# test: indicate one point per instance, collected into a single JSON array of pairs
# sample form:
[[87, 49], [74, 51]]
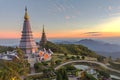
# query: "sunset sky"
[[62, 18]]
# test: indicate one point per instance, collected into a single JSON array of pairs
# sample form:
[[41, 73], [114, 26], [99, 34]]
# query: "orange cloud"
[[102, 34]]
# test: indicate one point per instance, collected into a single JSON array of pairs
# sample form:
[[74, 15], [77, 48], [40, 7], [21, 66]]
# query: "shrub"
[[58, 62]]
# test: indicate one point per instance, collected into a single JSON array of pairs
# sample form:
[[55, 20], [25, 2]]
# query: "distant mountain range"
[[105, 49]]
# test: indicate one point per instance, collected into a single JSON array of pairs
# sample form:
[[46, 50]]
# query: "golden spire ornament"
[[26, 17]]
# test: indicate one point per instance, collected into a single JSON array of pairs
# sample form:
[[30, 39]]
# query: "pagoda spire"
[[27, 43], [43, 29], [43, 37], [26, 17]]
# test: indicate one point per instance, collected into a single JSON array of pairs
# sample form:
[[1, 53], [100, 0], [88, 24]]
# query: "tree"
[[62, 74], [20, 53], [65, 54], [65, 76], [86, 76], [23, 64], [59, 76], [38, 67], [78, 57], [67, 58], [15, 68], [70, 68], [7, 72], [58, 62], [5, 49], [73, 57], [82, 75], [45, 63], [83, 57], [104, 74], [52, 62], [76, 73], [89, 77], [100, 58]]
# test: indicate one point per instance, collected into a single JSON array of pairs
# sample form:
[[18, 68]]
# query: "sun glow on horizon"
[[63, 18], [65, 35]]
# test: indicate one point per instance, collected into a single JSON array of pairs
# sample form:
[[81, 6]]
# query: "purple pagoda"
[[43, 40], [27, 43]]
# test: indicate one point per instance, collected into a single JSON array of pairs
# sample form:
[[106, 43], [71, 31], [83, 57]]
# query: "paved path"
[[101, 64], [34, 74]]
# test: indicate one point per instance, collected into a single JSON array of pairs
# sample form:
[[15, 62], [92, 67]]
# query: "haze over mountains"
[[99, 46], [105, 49]]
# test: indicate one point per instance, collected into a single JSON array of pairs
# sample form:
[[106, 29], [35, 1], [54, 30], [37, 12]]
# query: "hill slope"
[[99, 45], [102, 48], [69, 49]]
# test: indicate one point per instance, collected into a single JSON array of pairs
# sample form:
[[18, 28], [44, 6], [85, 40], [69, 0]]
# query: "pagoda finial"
[[43, 29], [26, 17]]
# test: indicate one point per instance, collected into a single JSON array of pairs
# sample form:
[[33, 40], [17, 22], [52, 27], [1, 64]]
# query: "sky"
[[62, 18]]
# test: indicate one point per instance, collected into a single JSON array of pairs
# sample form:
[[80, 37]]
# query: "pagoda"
[[43, 40], [27, 43]]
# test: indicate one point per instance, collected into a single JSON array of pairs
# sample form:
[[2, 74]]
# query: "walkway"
[[101, 64]]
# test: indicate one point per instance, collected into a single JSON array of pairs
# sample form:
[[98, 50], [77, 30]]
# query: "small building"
[[44, 55], [10, 55]]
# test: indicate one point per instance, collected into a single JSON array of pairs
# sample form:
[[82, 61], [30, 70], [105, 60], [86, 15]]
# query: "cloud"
[[59, 6], [67, 17], [110, 8], [92, 33]]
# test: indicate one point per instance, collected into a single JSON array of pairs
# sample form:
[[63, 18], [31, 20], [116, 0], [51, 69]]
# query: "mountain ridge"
[[100, 47]]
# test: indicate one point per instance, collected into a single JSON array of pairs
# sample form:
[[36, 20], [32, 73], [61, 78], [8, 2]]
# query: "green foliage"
[[49, 73], [78, 57], [11, 69], [76, 73], [58, 62], [83, 57], [62, 74], [39, 77], [70, 68], [104, 74], [52, 62], [65, 54], [100, 58], [45, 63], [89, 77], [20, 53], [54, 47], [59, 76], [69, 49], [78, 50], [86, 76], [14, 69], [67, 58], [73, 57], [39, 67], [4, 49]]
